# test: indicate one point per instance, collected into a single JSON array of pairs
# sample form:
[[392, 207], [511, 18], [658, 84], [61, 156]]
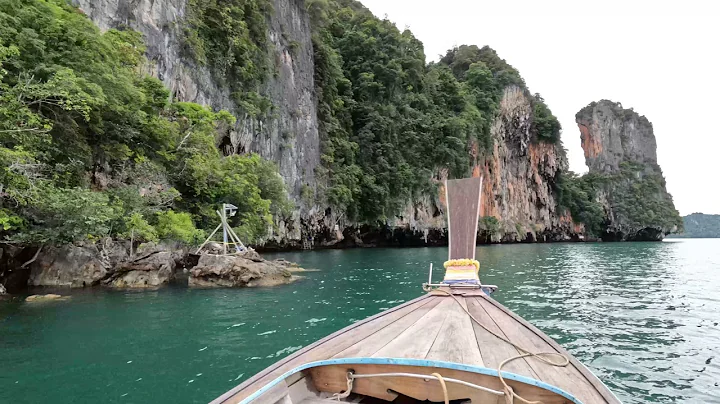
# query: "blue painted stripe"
[[413, 362]]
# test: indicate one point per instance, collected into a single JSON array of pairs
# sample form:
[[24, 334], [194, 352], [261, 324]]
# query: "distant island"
[[700, 225]]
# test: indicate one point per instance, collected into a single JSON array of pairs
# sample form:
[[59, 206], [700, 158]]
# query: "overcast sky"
[[660, 57]]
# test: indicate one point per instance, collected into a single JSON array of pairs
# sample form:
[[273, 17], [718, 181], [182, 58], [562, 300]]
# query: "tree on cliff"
[[389, 123], [86, 140]]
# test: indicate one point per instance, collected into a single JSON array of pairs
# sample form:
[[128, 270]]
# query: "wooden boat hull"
[[431, 334], [314, 379]]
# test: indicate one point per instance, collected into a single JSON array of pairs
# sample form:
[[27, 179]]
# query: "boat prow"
[[400, 349], [453, 344]]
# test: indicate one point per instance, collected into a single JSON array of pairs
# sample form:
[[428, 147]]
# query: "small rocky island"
[[624, 176], [110, 265]]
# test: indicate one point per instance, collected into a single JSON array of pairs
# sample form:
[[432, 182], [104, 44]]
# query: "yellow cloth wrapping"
[[462, 262], [461, 273]]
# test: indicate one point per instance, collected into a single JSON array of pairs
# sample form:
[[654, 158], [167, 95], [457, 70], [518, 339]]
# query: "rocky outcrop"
[[69, 266], [76, 266], [45, 298], [239, 271], [108, 264], [621, 151], [518, 200], [149, 271], [611, 135]]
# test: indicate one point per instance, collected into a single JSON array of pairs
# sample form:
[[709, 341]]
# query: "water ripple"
[[642, 316]]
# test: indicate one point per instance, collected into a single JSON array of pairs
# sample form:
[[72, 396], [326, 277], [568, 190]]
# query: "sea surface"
[[643, 316]]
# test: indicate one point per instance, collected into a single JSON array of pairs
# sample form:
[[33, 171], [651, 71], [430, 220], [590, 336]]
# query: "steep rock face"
[[518, 192], [519, 174], [290, 136], [519, 177], [620, 148], [611, 135]]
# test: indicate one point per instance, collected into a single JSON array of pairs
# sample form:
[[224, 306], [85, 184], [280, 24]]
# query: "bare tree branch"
[[34, 256]]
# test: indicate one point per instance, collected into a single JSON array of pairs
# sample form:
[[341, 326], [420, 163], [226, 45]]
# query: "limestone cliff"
[[518, 200], [290, 89], [519, 178], [620, 149]]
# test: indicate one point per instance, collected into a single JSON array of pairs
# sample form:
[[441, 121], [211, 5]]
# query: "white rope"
[[419, 376], [346, 393], [524, 353]]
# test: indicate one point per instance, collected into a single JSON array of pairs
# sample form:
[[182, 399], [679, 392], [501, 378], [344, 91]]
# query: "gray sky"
[[660, 57]]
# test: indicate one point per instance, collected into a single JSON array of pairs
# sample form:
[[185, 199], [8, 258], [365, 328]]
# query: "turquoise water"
[[643, 316]]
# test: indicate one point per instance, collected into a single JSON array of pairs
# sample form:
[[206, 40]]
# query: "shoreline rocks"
[[68, 266], [109, 264], [45, 298], [149, 271], [248, 270]]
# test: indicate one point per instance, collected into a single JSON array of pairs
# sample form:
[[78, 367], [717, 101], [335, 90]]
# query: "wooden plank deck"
[[436, 327]]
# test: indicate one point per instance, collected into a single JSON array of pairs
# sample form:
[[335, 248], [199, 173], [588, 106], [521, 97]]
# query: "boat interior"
[[385, 380]]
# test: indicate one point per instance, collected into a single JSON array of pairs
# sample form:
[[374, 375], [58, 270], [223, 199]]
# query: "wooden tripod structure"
[[228, 232]]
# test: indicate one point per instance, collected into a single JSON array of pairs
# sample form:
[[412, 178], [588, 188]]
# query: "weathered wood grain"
[[416, 341], [588, 376], [463, 208], [492, 349], [567, 378], [370, 345], [456, 340], [436, 327]]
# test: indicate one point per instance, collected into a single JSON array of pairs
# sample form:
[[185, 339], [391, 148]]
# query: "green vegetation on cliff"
[[230, 36], [89, 147], [579, 194], [638, 199], [699, 225], [389, 123]]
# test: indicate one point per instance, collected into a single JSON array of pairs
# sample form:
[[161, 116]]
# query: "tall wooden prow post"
[[463, 212], [463, 198]]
